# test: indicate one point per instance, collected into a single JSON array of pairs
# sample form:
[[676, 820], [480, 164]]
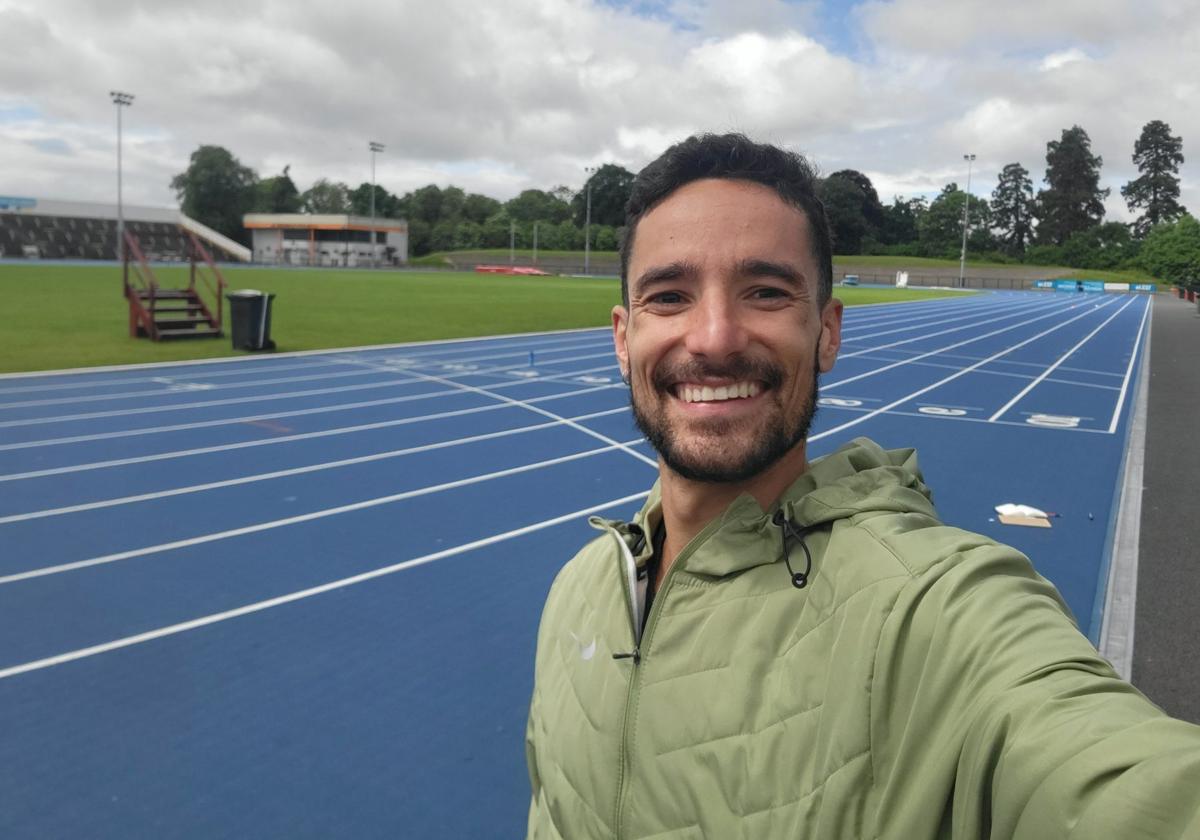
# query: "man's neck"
[[688, 506]]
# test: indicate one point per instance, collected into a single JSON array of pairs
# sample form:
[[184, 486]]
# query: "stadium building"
[[39, 228], [326, 239]]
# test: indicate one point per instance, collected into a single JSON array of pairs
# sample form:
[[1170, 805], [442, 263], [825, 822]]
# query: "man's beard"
[[771, 445]]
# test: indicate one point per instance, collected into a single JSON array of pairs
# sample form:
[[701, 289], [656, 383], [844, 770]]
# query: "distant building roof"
[[321, 221]]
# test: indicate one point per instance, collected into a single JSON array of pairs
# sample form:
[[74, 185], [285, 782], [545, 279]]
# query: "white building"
[[326, 239]]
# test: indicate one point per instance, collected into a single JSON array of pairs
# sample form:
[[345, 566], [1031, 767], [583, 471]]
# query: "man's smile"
[[695, 392]]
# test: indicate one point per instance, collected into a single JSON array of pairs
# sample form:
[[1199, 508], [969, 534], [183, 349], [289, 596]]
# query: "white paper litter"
[[1009, 509]]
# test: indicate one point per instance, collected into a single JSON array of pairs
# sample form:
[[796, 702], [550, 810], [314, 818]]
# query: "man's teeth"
[[706, 393]]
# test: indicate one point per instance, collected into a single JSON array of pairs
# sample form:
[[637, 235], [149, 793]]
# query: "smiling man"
[[779, 648]]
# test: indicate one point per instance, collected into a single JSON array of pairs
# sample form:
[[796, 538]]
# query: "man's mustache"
[[737, 369]]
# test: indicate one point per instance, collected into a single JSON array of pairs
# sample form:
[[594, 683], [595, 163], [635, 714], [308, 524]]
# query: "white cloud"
[[500, 97]]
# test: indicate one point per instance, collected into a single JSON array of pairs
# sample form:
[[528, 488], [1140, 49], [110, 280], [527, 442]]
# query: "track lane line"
[[941, 350], [303, 412], [315, 392], [539, 410], [292, 471], [324, 513], [291, 597], [1058, 362], [248, 444], [877, 411], [1137, 343]]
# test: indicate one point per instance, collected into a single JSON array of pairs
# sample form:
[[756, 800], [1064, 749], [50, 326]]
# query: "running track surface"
[[298, 596]]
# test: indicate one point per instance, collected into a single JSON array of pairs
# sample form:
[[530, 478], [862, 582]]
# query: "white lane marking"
[[917, 323], [311, 362], [942, 411], [563, 378], [1120, 597], [94, 415], [874, 412], [941, 350], [1058, 362], [174, 387], [1053, 421], [972, 325], [291, 597], [965, 419], [1137, 343], [248, 444], [628, 450], [967, 357], [1022, 376], [305, 517], [317, 354], [310, 468]]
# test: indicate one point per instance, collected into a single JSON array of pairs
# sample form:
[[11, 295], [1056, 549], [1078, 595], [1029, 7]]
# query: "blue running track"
[[297, 596]]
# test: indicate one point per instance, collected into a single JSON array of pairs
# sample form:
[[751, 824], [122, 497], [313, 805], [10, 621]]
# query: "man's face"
[[723, 341]]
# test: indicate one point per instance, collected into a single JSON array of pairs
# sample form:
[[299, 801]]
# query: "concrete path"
[[1166, 659]]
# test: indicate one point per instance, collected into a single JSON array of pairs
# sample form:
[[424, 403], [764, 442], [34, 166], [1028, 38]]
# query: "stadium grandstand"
[[326, 239], [50, 229]]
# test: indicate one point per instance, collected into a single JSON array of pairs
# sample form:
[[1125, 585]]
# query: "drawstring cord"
[[799, 579]]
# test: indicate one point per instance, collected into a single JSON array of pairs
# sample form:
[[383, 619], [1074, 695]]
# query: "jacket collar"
[[857, 478]]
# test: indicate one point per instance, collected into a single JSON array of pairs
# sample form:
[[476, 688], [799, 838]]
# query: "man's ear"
[[620, 322], [831, 334]]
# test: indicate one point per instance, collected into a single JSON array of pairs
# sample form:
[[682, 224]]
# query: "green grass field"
[[75, 316]]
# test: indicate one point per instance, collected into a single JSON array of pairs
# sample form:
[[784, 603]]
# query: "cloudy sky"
[[502, 96]]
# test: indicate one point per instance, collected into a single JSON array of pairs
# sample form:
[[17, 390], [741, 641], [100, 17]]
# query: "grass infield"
[[58, 316]]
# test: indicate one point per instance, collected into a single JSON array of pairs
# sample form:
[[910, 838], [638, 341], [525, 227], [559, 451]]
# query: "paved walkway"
[[1166, 660]]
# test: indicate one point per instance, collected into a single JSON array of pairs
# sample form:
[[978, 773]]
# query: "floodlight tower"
[[587, 224], [121, 100], [375, 149], [962, 257]]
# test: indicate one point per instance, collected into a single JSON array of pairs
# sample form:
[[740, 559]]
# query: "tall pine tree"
[[1073, 200], [1156, 191], [1012, 209]]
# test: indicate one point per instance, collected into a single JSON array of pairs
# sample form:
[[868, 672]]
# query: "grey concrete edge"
[[1116, 631]]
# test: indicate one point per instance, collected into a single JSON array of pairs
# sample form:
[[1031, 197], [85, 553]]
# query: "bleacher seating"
[[62, 237]]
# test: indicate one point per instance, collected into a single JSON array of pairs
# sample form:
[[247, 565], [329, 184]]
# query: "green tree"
[[901, 221], [478, 207], [611, 185], [941, 227], [1012, 209], [277, 194], [1105, 246], [1171, 251], [387, 206], [326, 196], [843, 200], [1156, 191], [1073, 201], [425, 204], [872, 209], [216, 190], [538, 206]]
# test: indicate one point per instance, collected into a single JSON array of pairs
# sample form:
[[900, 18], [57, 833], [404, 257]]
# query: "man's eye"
[[769, 292], [669, 298]]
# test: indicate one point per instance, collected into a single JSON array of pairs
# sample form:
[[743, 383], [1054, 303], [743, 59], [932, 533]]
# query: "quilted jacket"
[[924, 682]]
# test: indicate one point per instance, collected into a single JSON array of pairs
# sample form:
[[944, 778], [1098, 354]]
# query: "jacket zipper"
[[634, 680]]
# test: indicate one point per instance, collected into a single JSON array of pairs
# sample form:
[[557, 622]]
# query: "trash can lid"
[[245, 293]]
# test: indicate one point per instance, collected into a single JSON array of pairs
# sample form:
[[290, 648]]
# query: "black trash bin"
[[250, 319]]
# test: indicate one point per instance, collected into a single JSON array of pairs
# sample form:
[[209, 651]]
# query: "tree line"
[[1061, 224]]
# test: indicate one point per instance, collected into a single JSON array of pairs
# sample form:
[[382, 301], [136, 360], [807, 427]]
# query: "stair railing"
[[145, 284], [204, 268]]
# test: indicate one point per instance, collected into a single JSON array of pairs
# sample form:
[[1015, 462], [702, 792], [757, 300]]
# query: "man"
[[779, 648]]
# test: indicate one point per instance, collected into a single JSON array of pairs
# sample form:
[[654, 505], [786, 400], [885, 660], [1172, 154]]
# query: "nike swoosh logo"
[[586, 652]]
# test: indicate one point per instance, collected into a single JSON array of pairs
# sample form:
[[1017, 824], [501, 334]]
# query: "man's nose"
[[715, 330]]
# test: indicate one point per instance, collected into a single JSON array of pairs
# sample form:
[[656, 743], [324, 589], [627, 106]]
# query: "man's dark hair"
[[736, 157]]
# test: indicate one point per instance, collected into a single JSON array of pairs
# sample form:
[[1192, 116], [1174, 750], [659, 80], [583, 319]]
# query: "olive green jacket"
[[924, 683]]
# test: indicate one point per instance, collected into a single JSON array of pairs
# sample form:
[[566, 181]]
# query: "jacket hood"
[[860, 477]]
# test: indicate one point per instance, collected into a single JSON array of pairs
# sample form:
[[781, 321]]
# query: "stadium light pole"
[[962, 257], [587, 224], [375, 149], [121, 100]]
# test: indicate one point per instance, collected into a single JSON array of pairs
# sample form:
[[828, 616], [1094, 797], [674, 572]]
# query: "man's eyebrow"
[[768, 268], [664, 274]]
